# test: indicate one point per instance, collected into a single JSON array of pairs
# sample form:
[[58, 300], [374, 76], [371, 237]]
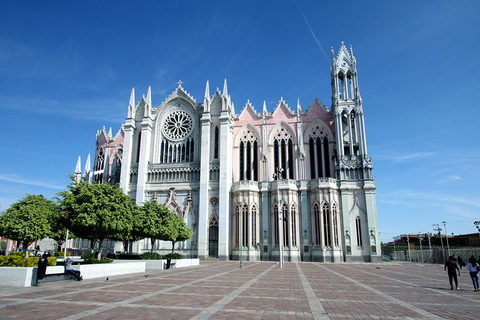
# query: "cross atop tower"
[[179, 83]]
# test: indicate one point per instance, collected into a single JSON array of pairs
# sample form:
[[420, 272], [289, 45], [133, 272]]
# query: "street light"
[[477, 224], [446, 237], [276, 175]]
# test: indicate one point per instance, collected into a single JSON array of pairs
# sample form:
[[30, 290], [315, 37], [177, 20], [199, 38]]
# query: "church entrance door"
[[213, 241]]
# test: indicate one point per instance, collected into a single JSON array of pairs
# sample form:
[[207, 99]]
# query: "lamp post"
[[436, 227], [477, 224], [446, 237], [240, 242], [276, 175], [421, 248]]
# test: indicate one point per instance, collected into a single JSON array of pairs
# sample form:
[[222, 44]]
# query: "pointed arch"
[[316, 224], [216, 143], [247, 141], [255, 228], [358, 229], [293, 223], [283, 139], [326, 224]]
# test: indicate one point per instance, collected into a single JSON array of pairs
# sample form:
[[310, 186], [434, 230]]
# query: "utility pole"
[[436, 227], [421, 248], [446, 237]]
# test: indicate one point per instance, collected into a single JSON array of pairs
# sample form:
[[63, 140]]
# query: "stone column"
[[203, 191], [143, 161], [127, 155]]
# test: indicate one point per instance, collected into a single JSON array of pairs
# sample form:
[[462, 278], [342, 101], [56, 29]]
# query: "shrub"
[[128, 256], [13, 261], [32, 262], [18, 261], [173, 256], [88, 256], [51, 261], [96, 261], [151, 256], [16, 253], [60, 254]]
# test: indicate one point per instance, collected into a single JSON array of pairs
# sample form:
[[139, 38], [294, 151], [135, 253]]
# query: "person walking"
[[472, 267], [452, 267], [69, 269]]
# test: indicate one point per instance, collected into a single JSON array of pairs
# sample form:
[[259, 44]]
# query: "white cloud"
[[16, 179], [401, 157]]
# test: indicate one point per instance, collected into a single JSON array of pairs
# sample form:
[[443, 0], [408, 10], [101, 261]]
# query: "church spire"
[[149, 97], [78, 170], [132, 98], [207, 91], [87, 172], [131, 104], [225, 91]]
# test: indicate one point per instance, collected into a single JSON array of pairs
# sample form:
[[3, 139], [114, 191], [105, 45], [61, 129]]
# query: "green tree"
[[133, 235], [96, 212], [59, 232], [176, 230], [28, 220], [150, 222]]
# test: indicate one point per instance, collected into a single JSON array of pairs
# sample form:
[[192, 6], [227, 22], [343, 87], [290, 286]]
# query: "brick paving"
[[259, 290]]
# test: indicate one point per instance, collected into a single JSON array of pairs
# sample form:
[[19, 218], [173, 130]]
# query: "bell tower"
[[353, 166], [347, 105]]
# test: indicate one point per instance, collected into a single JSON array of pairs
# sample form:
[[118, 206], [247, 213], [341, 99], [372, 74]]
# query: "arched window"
[[316, 224], [293, 213], [283, 153], [275, 225], [359, 231], [254, 225], [249, 162], [236, 219], [99, 166], [215, 151], [248, 156], [245, 225], [326, 155], [241, 160], [285, 233], [326, 225], [319, 153], [138, 145], [255, 160], [311, 149], [335, 224]]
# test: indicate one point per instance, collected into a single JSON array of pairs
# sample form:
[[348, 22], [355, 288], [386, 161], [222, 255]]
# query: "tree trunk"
[[125, 246], [24, 248], [173, 245], [92, 246], [153, 244], [100, 245]]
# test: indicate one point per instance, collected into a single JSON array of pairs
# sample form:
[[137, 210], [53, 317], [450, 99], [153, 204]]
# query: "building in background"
[[247, 183]]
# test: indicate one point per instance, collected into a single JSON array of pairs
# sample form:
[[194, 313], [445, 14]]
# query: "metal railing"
[[426, 254]]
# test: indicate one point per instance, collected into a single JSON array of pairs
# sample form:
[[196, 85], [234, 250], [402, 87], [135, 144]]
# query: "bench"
[[52, 273]]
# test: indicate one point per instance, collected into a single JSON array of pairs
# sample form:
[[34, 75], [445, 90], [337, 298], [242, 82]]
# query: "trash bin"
[[169, 262], [42, 268]]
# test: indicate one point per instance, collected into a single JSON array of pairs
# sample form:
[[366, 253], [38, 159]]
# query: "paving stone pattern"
[[259, 290]]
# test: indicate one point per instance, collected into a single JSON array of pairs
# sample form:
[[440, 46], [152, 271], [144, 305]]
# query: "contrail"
[[311, 31]]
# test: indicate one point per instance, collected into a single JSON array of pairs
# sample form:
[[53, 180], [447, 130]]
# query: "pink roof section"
[[282, 113]]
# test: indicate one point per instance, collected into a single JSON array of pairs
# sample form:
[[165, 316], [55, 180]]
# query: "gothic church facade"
[[251, 183]]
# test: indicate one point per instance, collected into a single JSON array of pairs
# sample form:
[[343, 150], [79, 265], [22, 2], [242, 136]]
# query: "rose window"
[[177, 125]]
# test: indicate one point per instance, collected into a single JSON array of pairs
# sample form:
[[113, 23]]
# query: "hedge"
[[18, 261]]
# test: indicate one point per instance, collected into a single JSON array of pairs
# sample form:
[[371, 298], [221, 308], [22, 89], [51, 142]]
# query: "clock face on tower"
[[177, 125]]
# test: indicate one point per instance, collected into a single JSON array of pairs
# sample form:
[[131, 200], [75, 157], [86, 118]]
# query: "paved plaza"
[[259, 290]]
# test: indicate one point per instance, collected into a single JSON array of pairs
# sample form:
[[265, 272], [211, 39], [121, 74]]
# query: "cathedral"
[[295, 182]]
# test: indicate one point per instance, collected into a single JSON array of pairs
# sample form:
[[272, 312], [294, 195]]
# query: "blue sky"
[[67, 69]]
